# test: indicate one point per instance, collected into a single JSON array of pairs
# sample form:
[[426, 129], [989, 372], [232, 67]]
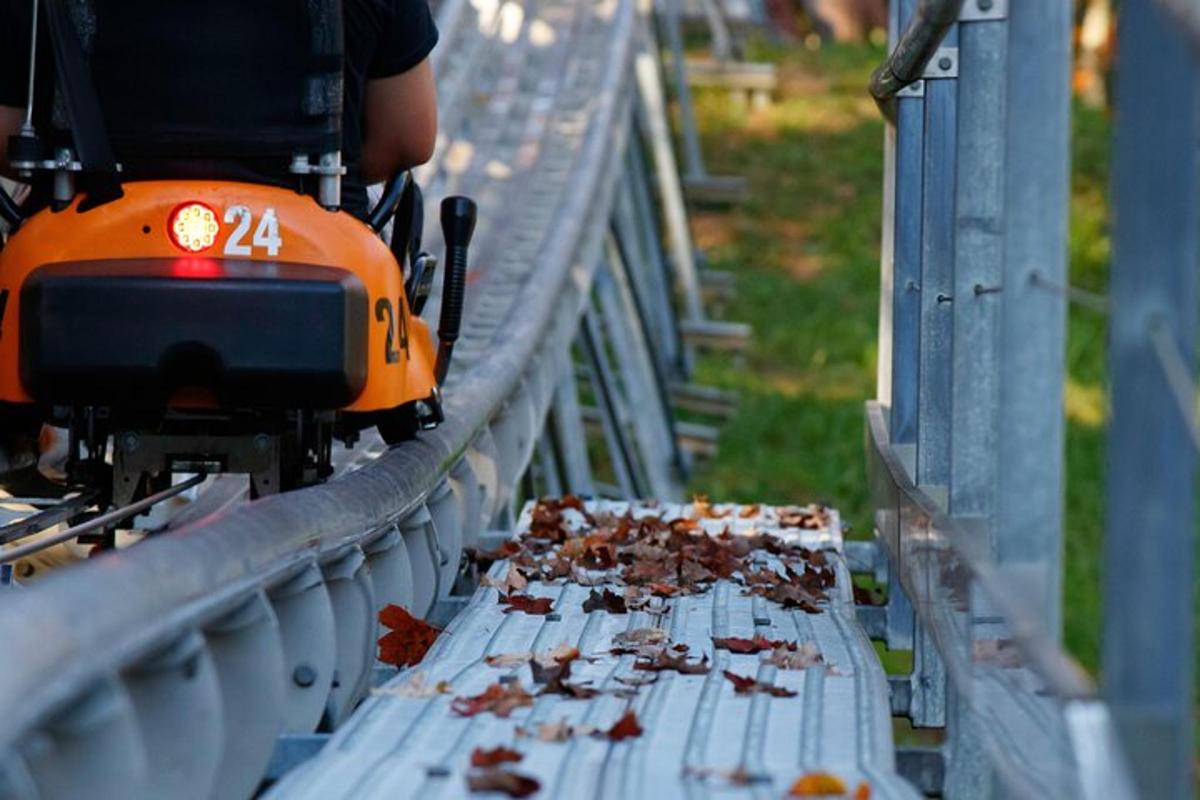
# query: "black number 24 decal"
[[384, 312]]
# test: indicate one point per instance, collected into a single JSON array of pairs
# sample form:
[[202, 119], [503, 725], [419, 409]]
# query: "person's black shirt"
[[137, 53]]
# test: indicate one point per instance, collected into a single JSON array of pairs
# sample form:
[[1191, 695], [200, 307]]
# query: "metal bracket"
[[944, 64], [914, 89], [983, 10]]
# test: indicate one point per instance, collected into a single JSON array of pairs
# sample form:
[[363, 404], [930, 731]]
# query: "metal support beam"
[[1028, 537], [1148, 591]]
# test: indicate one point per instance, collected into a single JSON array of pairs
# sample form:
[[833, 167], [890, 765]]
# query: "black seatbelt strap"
[[99, 178]]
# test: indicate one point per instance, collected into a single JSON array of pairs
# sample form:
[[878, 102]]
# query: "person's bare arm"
[[10, 122], [400, 122]]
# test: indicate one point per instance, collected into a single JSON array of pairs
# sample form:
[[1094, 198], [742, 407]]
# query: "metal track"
[[697, 732], [169, 668]]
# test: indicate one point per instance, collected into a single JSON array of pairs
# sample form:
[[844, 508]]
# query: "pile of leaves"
[[652, 556], [633, 562]]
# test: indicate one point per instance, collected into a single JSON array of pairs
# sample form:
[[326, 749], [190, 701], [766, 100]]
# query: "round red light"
[[193, 227]]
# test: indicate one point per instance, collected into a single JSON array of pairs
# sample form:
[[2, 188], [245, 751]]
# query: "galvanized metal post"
[[1028, 538], [907, 159], [979, 264], [936, 345], [1148, 589], [978, 295], [906, 275]]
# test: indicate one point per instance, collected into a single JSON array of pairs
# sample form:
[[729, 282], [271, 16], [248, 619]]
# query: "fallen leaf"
[[759, 643], [554, 675], [817, 784], [408, 640], [743, 684], [863, 792], [750, 511], [640, 636], [663, 589], [626, 727], [503, 660], [664, 661], [512, 583], [527, 604], [609, 601], [636, 680], [556, 731], [414, 686], [702, 508], [493, 757], [805, 656], [500, 699], [501, 780]]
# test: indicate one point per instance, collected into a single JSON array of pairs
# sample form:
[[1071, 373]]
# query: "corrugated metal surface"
[[697, 730]]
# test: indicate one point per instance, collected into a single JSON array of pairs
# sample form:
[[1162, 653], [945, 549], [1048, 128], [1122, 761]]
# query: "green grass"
[[805, 251]]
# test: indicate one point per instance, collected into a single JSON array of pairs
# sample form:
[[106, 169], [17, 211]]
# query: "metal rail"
[[918, 45]]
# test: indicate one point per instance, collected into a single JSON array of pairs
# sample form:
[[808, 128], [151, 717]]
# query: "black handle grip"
[[458, 225]]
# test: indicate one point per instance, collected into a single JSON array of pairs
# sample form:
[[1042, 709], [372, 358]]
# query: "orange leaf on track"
[[626, 727], [408, 640], [759, 643], [490, 758], [498, 699], [817, 784], [501, 780]]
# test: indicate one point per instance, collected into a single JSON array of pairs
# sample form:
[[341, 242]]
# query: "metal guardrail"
[[1043, 729], [966, 442], [169, 668]]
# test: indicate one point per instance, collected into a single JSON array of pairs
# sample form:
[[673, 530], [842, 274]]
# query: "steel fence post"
[[1149, 544], [1029, 503]]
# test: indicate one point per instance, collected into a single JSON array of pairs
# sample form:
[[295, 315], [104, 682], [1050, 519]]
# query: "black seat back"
[[219, 79]]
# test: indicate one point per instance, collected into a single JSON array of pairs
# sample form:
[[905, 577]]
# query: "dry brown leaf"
[[513, 581], [609, 601], [527, 604], [559, 731], [818, 784], [743, 684], [759, 643], [510, 783], [414, 686], [494, 757], [805, 656], [500, 699], [640, 636], [626, 727], [554, 675], [664, 661], [408, 640]]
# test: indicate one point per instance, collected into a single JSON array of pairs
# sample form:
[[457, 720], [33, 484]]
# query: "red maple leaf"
[[626, 727], [408, 640], [490, 758]]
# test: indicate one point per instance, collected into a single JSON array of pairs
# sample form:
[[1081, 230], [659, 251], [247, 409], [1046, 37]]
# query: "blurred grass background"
[[805, 252]]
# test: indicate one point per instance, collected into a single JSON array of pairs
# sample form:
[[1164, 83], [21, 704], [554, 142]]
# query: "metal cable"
[[1178, 374], [1094, 301], [116, 515]]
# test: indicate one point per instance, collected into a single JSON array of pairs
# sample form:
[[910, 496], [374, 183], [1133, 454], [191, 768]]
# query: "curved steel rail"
[[917, 46], [169, 668]]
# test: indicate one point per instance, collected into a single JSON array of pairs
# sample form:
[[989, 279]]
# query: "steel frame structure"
[[965, 442]]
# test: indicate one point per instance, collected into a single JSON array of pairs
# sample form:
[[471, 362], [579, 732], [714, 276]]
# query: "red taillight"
[[193, 227], [195, 268]]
